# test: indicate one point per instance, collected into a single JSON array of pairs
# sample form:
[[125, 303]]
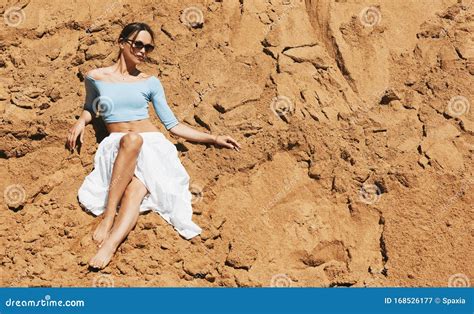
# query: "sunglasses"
[[139, 45]]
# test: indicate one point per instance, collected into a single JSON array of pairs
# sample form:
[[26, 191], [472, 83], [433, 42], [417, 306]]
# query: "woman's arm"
[[86, 117], [193, 135], [167, 117], [78, 129]]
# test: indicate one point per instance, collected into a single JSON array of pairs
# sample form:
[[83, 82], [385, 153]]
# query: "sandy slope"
[[366, 180]]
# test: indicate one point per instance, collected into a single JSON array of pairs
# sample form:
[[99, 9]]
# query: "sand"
[[355, 120]]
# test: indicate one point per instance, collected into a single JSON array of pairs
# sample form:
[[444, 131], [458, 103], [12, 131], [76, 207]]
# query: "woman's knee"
[[135, 190], [132, 140]]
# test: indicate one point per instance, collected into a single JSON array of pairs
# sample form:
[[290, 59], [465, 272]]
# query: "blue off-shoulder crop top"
[[127, 101]]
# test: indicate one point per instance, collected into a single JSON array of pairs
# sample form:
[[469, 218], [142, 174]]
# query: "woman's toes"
[[96, 265], [92, 263], [103, 256], [96, 236], [102, 230]]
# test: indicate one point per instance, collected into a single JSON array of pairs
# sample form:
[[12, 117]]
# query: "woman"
[[135, 168]]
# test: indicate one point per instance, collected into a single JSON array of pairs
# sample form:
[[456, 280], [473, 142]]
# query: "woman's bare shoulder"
[[104, 74], [145, 75], [97, 74]]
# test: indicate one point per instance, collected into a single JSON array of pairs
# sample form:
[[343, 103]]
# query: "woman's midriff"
[[144, 125]]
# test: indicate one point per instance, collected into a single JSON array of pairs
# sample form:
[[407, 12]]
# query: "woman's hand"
[[74, 132], [227, 141], [193, 135]]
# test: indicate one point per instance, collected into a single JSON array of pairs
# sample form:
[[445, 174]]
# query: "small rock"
[[33, 92], [314, 172], [206, 116], [316, 55], [165, 246], [21, 100], [389, 96], [3, 92], [198, 266], [237, 95], [53, 53], [470, 67], [148, 226], [54, 94], [423, 161], [467, 125], [380, 183], [99, 51], [436, 134], [36, 231], [325, 252], [338, 184], [451, 12], [211, 233], [241, 255], [264, 18], [446, 155]]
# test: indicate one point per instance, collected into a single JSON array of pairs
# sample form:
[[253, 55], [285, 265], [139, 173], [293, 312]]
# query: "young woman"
[[135, 167]]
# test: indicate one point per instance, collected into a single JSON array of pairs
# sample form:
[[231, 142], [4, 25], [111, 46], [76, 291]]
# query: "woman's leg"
[[122, 173], [124, 223]]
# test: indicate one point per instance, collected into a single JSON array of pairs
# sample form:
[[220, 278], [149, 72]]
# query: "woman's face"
[[132, 53]]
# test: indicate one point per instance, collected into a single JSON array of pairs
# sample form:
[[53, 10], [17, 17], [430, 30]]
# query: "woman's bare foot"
[[103, 229], [103, 255]]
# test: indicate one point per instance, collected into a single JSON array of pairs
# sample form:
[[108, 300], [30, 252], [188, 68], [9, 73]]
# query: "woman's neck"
[[124, 69]]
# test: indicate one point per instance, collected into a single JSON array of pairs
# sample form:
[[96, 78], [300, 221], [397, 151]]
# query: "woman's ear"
[[121, 43]]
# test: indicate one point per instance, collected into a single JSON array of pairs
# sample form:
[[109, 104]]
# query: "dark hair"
[[135, 28]]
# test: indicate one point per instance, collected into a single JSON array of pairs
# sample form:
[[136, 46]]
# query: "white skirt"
[[158, 168]]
